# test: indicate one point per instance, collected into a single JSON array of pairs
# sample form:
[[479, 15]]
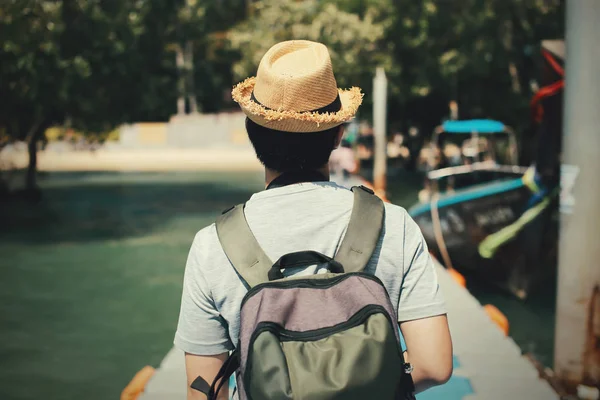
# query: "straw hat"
[[295, 90]]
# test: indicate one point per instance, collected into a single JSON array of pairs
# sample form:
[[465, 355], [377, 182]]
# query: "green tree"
[[93, 63], [28, 66]]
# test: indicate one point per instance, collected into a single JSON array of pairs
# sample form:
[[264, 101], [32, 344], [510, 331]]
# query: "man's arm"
[[207, 367], [422, 314], [429, 350], [201, 331]]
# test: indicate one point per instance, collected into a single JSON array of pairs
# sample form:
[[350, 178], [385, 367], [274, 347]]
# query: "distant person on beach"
[[295, 114], [343, 160]]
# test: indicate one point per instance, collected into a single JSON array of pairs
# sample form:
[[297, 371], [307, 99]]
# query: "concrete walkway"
[[488, 365]]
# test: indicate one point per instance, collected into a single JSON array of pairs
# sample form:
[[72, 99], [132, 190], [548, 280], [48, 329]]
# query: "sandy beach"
[[207, 159]]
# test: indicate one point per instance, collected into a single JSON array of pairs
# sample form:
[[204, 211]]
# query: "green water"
[[90, 279]]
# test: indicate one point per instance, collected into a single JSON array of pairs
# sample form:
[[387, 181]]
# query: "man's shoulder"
[[397, 225], [395, 212], [208, 233], [206, 257], [206, 241]]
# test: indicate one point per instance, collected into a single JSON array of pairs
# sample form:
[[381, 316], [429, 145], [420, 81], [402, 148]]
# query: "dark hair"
[[287, 151]]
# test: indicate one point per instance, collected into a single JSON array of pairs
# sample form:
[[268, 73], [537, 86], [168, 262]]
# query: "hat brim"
[[293, 121]]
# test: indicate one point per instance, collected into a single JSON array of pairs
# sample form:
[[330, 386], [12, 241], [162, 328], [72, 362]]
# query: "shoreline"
[[150, 160]]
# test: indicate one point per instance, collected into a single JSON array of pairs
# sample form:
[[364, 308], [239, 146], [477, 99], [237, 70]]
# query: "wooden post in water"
[[379, 131], [189, 73], [180, 62], [577, 339]]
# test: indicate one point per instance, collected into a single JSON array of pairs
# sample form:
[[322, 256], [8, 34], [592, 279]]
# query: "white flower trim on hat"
[[242, 92]]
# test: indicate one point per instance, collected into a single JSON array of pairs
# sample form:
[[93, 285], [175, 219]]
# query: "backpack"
[[326, 336]]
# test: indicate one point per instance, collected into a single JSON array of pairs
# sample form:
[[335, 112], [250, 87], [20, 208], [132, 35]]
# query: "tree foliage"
[[66, 58], [92, 64], [479, 53]]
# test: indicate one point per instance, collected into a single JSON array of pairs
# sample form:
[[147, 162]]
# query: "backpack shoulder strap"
[[358, 244], [241, 247], [364, 229]]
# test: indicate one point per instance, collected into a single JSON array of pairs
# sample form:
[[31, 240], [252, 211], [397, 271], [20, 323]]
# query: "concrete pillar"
[[577, 353], [379, 130]]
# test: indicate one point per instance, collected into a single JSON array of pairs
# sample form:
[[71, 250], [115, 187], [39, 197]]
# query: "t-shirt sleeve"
[[201, 329], [420, 295]]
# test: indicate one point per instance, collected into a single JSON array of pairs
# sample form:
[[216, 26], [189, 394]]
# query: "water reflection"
[[81, 207]]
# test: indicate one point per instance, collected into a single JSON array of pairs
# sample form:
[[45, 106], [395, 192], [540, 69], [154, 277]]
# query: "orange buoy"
[[457, 277], [454, 274], [137, 385], [499, 319]]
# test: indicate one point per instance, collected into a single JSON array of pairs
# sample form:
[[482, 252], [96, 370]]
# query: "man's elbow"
[[439, 374], [442, 376], [426, 378]]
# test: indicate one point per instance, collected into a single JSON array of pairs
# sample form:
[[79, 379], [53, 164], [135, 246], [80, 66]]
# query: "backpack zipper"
[[308, 283], [286, 335]]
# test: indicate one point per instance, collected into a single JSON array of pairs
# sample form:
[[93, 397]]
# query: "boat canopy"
[[479, 126]]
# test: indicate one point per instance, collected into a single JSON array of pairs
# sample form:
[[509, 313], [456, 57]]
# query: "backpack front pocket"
[[359, 358]]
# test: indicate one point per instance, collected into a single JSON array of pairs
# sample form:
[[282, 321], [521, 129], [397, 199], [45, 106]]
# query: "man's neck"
[[271, 175]]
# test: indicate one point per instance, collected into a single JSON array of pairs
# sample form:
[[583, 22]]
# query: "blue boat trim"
[[473, 125], [472, 193]]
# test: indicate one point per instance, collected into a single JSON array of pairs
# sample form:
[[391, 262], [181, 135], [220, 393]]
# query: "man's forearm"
[[208, 368]]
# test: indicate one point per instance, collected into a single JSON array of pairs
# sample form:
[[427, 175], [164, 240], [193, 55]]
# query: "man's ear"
[[340, 135]]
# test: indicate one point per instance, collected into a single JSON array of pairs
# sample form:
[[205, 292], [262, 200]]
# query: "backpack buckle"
[[366, 189], [227, 210]]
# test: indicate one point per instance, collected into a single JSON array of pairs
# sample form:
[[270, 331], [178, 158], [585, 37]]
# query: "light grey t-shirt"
[[303, 216]]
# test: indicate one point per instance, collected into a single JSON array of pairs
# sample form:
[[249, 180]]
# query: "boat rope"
[[437, 231]]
